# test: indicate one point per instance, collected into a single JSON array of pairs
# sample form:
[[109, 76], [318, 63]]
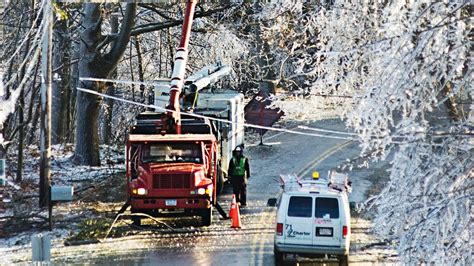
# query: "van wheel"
[[279, 257], [207, 216], [344, 260]]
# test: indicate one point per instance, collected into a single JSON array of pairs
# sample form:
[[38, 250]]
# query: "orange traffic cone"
[[232, 206], [236, 223]]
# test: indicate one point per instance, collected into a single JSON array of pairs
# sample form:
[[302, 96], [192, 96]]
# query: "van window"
[[326, 207], [300, 207]]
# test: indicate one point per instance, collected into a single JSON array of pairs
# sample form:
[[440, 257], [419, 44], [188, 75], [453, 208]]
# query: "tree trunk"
[[87, 137], [34, 122], [61, 89], [264, 55], [87, 105], [108, 106], [21, 136], [94, 64], [21, 111], [141, 75], [131, 72], [71, 110]]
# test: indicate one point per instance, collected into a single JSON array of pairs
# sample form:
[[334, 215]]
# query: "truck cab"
[[171, 172]]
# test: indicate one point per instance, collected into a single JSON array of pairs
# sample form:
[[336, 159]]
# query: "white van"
[[313, 218]]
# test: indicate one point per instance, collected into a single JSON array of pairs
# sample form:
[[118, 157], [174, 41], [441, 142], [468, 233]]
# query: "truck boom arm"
[[179, 69]]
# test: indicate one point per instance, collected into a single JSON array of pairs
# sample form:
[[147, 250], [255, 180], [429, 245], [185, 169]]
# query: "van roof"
[[321, 189], [336, 184]]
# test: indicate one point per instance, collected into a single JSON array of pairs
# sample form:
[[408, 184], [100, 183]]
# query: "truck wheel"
[[279, 257], [344, 260], [207, 216]]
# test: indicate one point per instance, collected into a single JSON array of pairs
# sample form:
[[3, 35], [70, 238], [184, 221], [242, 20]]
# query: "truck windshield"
[[172, 152]]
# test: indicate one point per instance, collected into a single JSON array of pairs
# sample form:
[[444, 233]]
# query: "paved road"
[[253, 244], [218, 244]]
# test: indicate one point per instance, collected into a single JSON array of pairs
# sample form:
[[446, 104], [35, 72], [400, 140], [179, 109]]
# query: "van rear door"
[[297, 227], [327, 222]]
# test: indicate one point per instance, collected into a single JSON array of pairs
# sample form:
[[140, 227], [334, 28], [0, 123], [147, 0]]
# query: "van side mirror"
[[272, 202]]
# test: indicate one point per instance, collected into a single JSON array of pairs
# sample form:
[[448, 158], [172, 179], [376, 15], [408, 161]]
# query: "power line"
[[128, 82], [156, 82], [327, 130], [213, 118]]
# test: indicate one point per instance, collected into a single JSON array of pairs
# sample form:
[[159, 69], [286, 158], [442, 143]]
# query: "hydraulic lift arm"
[[179, 69]]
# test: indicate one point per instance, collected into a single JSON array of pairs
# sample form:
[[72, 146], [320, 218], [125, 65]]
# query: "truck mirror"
[[271, 202], [133, 172]]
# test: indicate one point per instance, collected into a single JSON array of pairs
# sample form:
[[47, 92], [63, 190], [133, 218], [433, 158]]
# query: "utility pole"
[[45, 130]]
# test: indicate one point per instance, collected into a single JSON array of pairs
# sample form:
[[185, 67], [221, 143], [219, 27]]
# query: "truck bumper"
[[161, 203], [311, 249]]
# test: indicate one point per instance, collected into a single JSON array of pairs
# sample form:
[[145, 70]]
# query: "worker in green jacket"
[[239, 172]]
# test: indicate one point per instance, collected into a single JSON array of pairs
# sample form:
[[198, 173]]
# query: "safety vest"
[[239, 166]]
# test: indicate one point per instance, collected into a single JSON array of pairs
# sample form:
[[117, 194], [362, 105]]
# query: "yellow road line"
[[323, 157], [258, 243]]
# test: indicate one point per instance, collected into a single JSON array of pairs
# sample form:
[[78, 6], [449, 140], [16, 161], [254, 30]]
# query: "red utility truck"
[[175, 161], [172, 172]]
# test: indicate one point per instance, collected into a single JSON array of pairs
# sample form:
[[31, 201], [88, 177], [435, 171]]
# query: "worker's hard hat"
[[238, 148]]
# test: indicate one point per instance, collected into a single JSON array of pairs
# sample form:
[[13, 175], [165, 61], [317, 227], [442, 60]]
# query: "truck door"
[[327, 222], [297, 227]]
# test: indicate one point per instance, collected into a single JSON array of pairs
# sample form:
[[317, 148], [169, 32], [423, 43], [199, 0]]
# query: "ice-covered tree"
[[407, 66]]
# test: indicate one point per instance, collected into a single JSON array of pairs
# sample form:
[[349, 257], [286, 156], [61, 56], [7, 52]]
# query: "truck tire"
[[344, 260], [207, 216], [279, 257]]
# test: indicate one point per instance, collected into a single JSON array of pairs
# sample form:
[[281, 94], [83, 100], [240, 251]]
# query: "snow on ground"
[[29, 219], [64, 171]]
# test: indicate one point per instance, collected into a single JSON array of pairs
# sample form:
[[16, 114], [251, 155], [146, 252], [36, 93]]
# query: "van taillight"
[[344, 231], [279, 230]]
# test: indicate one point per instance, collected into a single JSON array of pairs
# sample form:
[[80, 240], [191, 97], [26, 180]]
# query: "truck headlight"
[[201, 191], [142, 191]]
